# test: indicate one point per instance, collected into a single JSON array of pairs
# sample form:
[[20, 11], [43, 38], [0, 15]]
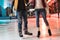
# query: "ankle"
[[39, 32], [38, 35]]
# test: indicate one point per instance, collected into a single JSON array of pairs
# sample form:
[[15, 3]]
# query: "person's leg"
[[45, 20], [37, 12], [24, 14], [19, 15]]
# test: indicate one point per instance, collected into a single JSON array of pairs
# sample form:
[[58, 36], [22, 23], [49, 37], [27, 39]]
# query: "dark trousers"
[[43, 13], [22, 15]]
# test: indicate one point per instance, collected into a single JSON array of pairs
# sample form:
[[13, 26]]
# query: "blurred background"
[[5, 7]]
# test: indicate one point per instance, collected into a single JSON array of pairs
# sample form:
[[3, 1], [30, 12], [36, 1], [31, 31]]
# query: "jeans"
[[43, 13], [22, 15]]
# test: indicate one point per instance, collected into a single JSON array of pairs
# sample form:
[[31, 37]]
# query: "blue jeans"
[[22, 15], [43, 13]]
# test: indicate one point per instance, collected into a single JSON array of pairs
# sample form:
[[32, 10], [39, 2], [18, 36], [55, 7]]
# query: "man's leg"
[[20, 23], [37, 12], [25, 23], [45, 20]]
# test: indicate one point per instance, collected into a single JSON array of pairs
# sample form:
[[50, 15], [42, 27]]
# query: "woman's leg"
[[45, 20], [37, 12]]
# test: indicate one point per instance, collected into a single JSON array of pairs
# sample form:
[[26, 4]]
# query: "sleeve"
[[27, 1], [12, 4]]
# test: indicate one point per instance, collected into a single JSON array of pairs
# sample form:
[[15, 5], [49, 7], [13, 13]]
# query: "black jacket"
[[21, 5]]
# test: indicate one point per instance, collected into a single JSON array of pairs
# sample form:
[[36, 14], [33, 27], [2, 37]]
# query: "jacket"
[[19, 5]]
